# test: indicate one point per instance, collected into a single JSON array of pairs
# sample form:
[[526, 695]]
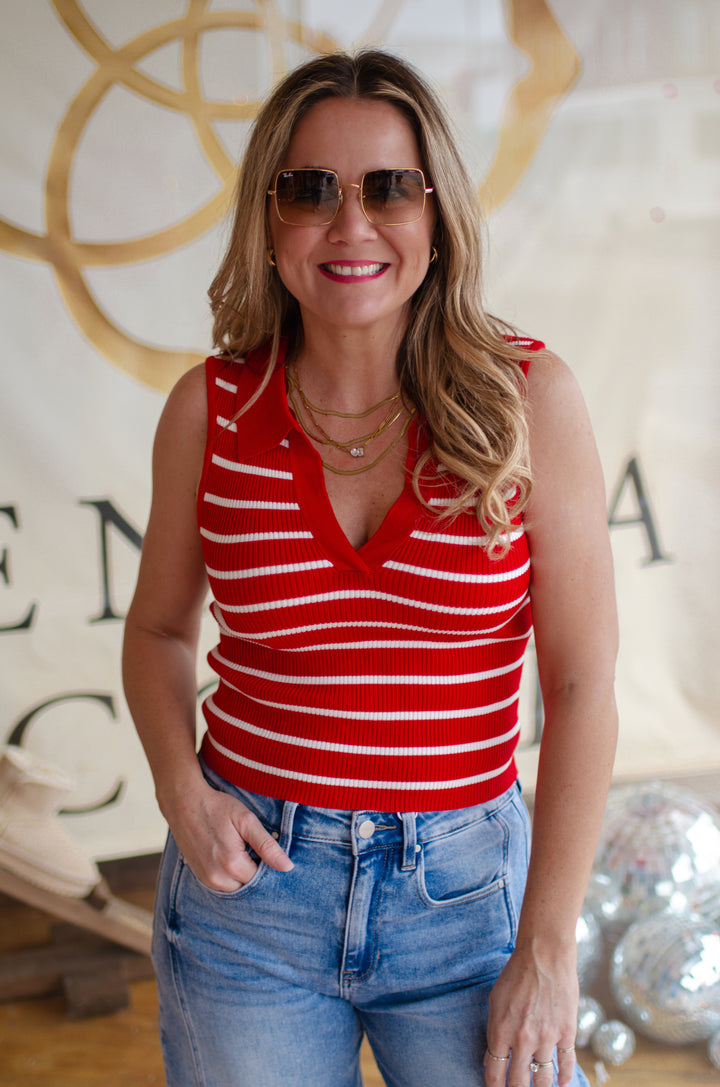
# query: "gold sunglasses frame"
[[426, 190]]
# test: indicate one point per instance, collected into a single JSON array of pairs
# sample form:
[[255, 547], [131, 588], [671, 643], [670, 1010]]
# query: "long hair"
[[454, 364]]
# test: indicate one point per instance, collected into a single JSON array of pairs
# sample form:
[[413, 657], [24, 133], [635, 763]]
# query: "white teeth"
[[355, 270]]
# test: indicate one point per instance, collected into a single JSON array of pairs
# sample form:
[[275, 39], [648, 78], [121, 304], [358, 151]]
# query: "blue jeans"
[[395, 925]]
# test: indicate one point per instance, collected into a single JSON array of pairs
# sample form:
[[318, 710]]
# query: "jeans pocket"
[[186, 874], [485, 857], [450, 872]]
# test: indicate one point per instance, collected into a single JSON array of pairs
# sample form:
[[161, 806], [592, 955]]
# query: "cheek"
[[293, 267]]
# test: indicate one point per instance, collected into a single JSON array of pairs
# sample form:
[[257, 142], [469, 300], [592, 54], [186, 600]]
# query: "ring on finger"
[[501, 1060], [540, 1066], [567, 1049]]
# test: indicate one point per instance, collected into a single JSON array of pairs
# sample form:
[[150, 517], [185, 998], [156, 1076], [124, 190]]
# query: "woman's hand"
[[214, 831], [533, 1012]]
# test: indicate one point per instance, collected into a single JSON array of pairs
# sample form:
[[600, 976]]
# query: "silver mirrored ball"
[[590, 1016], [659, 846], [613, 1042], [589, 949], [665, 977]]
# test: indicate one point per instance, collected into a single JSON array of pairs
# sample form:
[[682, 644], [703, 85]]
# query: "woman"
[[379, 486]]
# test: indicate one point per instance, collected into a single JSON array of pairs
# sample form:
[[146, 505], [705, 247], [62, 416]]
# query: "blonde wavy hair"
[[454, 363]]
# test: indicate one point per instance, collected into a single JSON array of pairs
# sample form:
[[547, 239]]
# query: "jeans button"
[[366, 828]]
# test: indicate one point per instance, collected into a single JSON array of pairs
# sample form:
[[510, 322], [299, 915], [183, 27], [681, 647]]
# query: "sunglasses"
[[313, 197]]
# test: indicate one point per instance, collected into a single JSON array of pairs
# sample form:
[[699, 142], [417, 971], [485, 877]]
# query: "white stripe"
[[225, 385], [351, 625], [362, 749], [370, 680], [359, 594], [223, 422], [249, 469], [353, 783], [253, 537], [268, 571], [383, 715], [450, 502], [383, 643], [449, 575], [235, 504], [474, 541]]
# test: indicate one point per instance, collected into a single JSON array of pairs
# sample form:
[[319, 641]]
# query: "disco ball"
[[659, 846], [613, 1042], [702, 900], [590, 1016], [589, 949], [665, 977]]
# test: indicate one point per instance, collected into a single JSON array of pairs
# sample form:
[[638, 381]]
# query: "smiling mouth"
[[353, 269]]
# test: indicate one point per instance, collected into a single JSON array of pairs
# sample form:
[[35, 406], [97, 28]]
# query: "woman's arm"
[[534, 1003], [159, 656]]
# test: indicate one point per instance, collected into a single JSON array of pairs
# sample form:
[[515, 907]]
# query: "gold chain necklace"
[[295, 379], [367, 467], [355, 447]]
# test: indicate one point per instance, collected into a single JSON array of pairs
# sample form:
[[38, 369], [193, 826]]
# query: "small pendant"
[[357, 451]]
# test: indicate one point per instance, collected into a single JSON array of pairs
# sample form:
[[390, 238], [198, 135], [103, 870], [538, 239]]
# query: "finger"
[[520, 1075], [566, 1064], [265, 845], [543, 1071], [223, 882], [227, 866], [233, 868], [496, 1066]]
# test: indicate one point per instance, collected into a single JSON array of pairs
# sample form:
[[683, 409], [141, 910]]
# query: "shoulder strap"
[[528, 344]]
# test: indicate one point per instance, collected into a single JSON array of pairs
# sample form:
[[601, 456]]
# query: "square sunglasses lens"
[[307, 196], [393, 196]]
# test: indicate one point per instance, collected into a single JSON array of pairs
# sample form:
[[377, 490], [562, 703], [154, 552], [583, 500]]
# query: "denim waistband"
[[364, 829]]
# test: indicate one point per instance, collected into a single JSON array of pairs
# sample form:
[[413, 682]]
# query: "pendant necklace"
[[355, 446]]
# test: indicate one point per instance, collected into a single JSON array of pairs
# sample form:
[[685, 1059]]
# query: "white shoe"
[[33, 843]]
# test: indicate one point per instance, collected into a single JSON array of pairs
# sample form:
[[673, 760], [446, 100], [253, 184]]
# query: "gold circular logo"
[[531, 26]]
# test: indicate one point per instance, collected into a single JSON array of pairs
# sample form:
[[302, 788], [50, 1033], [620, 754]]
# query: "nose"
[[350, 221]]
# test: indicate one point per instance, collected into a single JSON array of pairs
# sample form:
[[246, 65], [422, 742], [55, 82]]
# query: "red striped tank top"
[[384, 678]]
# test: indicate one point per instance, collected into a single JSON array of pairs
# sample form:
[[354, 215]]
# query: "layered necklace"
[[395, 407]]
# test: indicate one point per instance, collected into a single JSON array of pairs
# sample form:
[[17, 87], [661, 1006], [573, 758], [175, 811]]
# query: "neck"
[[348, 371]]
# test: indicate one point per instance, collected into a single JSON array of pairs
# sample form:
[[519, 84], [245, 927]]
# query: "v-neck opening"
[[309, 479], [261, 431]]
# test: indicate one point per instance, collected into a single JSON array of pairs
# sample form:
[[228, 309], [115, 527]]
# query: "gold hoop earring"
[[433, 255], [270, 253]]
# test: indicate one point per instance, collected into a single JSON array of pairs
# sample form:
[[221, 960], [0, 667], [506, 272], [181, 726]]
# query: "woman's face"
[[351, 274]]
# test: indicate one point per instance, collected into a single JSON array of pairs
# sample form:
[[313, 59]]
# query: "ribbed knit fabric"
[[384, 678]]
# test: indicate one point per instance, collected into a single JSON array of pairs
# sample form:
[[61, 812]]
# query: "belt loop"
[[409, 860], [286, 824]]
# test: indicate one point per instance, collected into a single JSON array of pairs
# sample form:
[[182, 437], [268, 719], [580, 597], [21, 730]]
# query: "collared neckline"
[[271, 421]]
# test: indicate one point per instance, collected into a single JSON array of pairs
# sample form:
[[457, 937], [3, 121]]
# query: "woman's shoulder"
[[184, 417], [549, 375], [188, 393], [558, 418]]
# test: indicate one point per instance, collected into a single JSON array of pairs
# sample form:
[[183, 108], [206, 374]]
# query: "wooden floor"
[[41, 1047]]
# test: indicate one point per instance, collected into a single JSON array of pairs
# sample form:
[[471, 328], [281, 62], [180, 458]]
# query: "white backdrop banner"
[[593, 131]]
